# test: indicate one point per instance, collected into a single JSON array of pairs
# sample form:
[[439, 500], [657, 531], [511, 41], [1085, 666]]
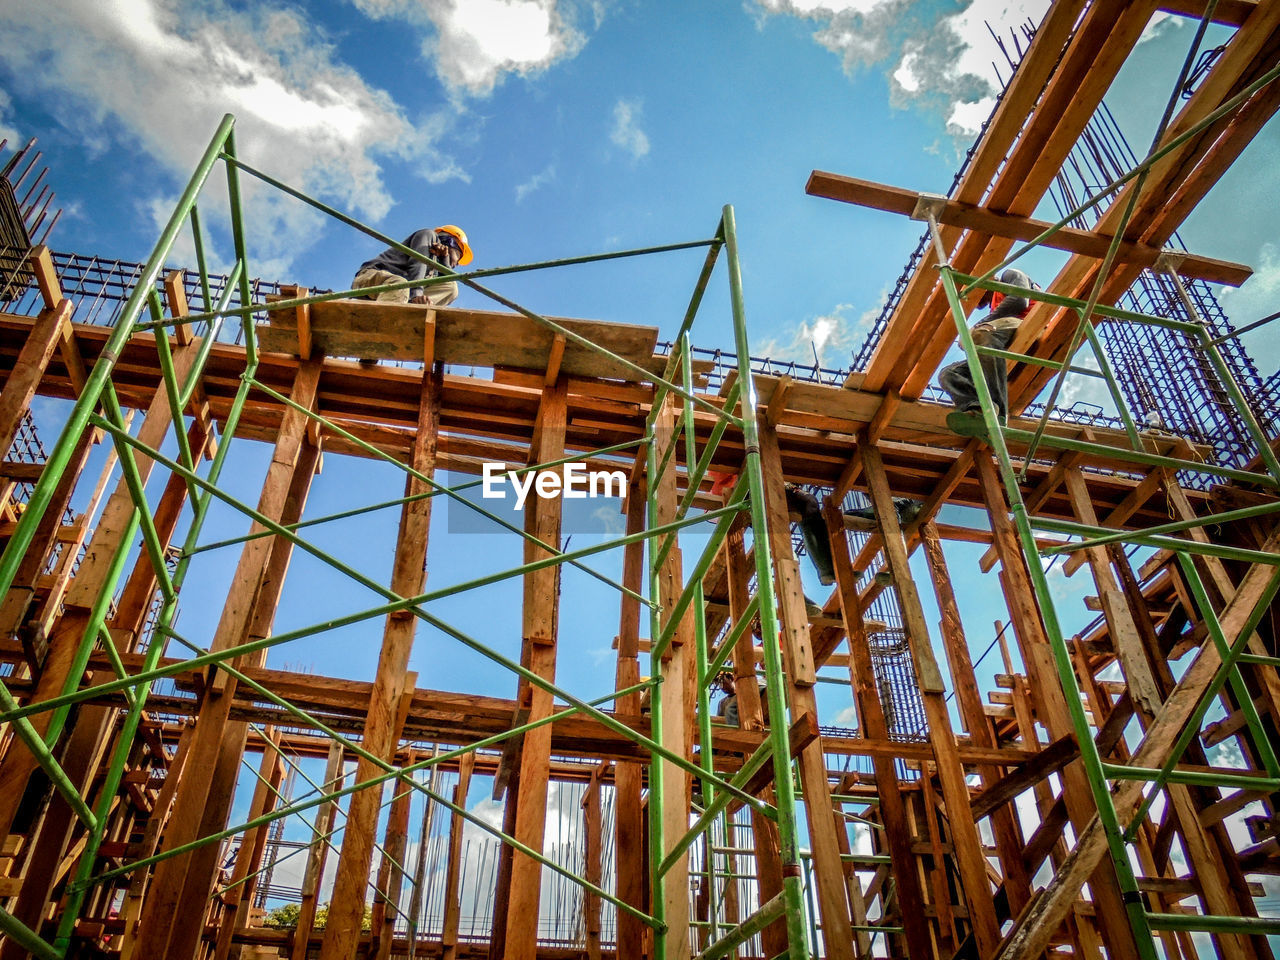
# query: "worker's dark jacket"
[[403, 265]]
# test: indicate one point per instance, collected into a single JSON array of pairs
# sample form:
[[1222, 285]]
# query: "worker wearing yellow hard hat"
[[446, 245]]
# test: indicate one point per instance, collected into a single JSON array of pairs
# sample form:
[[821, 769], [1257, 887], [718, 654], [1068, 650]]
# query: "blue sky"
[[552, 128]]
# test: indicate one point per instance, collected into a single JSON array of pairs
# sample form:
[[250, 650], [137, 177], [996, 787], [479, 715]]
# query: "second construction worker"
[[446, 245], [996, 330]]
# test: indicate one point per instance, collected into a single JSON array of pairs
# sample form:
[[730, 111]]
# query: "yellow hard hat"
[[458, 234]]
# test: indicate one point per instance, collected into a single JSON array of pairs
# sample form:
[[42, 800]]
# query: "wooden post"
[[132, 908], [897, 834], [969, 857], [832, 895], [453, 870], [764, 832], [382, 731], [592, 867], [676, 701], [316, 855], [541, 625], [386, 903], [631, 865], [1051, 703], [1004, 822], [235, 915], [171, 913]]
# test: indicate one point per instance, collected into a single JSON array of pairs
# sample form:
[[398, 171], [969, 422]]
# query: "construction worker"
[[727, 709], [446, 245], [996, 330]]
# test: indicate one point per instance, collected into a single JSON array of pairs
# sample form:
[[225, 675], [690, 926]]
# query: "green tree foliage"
[[286, 917]]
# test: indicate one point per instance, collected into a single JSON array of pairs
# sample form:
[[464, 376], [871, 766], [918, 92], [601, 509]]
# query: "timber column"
[[527, 802], [385, 720]]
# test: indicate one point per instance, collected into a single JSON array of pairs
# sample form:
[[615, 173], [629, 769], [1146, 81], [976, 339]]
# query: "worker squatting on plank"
[[997, 330], [447, 245]]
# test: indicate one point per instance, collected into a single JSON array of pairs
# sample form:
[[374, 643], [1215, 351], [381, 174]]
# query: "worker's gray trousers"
[[956, 379]]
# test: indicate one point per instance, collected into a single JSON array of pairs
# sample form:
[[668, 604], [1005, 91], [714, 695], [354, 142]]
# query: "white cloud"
[[1258, 297], [535, 182], [831, 336], [938, 62], [7, 130], [156, 76], [626, 132], [475, 43], [1159, 23]]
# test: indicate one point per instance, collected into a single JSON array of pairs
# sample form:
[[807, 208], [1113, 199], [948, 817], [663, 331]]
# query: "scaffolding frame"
[[668, 607], [1231, 650]]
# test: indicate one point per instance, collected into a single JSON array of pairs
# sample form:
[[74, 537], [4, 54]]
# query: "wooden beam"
[[982, 220], [386, 903], [23, 381], [764, 831], [1005, 825], [1050, 700], [249, 855]]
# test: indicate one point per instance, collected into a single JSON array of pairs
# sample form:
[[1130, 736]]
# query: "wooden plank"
[[486, 338], [984, 220], [384, 724], [1050, 760], [302, 319], [778, 402], [554, 358], [1232, 13]]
